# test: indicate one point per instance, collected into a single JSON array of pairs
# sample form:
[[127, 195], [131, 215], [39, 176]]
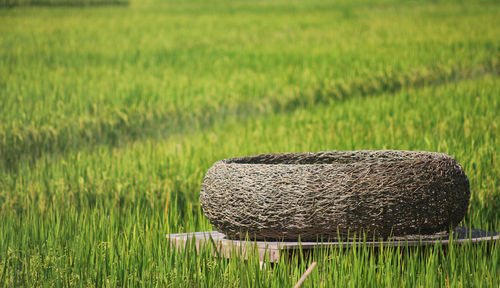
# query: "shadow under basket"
[[334, 194]]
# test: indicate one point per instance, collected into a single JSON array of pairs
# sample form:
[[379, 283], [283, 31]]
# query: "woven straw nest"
[[330, 194]]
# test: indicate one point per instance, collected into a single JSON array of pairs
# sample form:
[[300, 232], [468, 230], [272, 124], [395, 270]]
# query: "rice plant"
[[110, 116]]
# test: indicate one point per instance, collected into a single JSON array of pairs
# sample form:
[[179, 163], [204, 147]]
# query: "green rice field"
[[111, 114]]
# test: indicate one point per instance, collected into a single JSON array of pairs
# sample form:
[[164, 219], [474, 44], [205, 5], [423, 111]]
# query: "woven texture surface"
[[330, 194]]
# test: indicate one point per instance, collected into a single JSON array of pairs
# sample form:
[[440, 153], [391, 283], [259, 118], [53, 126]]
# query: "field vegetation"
[[110, 116], [14, 3]]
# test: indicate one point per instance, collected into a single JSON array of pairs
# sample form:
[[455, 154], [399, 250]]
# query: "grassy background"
[[110, 116], [14, 3]]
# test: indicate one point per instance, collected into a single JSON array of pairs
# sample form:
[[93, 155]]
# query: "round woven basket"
[[329, 194]]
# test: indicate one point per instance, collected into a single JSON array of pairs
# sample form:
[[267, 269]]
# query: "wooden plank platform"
[[226, 247]]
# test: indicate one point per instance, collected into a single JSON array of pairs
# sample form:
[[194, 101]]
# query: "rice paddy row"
[[106, 133], [90, 85], [104, 213], [14, 3]]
